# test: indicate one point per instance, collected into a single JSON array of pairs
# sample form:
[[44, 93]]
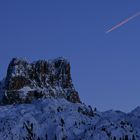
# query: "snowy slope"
[[50, 119]]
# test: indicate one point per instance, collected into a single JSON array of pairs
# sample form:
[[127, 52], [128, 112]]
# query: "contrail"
[[123, 22]]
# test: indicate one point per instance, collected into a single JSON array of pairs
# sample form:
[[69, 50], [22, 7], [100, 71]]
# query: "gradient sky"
[[105, 67]]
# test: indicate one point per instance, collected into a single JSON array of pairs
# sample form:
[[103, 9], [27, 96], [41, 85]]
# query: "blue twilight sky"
[[105, 67]]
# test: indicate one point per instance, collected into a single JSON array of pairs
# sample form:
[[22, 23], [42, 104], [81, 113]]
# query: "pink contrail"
[[123, 22]]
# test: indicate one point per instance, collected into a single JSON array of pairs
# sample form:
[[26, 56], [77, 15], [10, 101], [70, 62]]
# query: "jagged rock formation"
[[39, 102], [28, 81]]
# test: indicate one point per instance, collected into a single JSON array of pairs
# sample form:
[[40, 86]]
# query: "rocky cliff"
[[28, 81]]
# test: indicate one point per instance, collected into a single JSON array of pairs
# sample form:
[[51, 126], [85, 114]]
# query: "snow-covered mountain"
[[39, 102]]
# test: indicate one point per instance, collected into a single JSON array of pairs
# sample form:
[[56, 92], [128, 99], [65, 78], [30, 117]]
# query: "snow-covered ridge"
[[59, 119], [39, 102]]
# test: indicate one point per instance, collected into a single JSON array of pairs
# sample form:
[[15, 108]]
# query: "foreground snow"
[[59, 119]]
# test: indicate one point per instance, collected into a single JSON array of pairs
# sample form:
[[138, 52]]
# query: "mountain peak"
[[27, 81], [54, 110]]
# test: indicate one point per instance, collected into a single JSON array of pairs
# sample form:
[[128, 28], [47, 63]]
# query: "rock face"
[[28, 81]]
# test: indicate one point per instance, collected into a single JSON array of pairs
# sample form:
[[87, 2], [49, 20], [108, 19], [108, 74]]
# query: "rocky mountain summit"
[[28, 81], [39, 102]]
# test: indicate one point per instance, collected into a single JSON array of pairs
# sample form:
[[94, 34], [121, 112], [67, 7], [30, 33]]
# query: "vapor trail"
[[123, 22]]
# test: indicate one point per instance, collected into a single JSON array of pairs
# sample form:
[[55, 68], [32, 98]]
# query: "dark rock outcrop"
[[28, 81]]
